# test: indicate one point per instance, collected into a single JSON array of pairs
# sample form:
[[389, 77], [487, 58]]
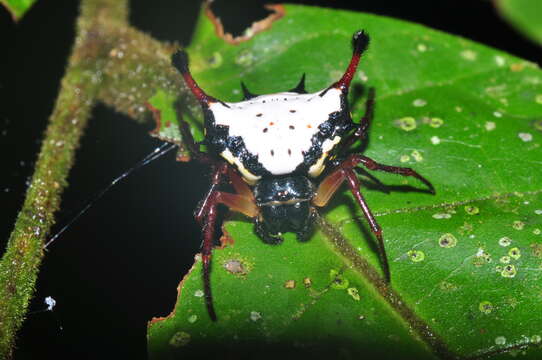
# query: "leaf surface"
[[466, 264], [524, 15]]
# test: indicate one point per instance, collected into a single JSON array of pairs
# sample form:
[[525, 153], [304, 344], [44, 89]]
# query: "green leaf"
[[524, 15], [17, 8], [466, 264], [164, 108]]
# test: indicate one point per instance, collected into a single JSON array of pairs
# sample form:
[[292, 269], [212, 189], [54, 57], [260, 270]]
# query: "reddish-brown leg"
[[237, 182], [206, 213], [206, 216], [374, 179], [191, 145], [239, 185], [354, 184], [365, 121], [361, 130], [373, 165], [345, 171], [360, 41], [331, 184]]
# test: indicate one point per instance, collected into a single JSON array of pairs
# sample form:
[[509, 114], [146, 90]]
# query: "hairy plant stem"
[[110, 62]]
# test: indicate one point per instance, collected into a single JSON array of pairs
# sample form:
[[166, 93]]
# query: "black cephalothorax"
[[285, 206], [273, 149]]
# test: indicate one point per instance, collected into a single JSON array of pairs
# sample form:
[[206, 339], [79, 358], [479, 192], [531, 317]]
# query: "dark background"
[[120, 264]]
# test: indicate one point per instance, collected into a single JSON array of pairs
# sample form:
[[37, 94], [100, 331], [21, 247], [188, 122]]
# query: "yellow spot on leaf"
[[485, 307], [289, 284], [537, 250], [417, 155], [505, 241], [518, 225], [509, 271], [179, 339], [419, 102], [472, 210], [517, 67], [447, 286], [338, 281], [354, 293], [469, 55], [416, 255], [447, 241], [407, 123], [514, 253], [436, 122]]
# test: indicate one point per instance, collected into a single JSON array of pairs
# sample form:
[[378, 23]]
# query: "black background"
[[119, 265]]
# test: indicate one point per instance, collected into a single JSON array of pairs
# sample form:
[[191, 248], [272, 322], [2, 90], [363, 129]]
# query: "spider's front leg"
[[206, 215], [360, 132], [207, 211], [345, 172]]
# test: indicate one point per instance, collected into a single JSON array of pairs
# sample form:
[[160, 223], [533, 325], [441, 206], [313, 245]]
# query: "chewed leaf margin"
[[17, 8]]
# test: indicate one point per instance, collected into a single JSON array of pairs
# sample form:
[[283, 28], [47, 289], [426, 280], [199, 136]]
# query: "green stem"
[[20, 263], [110, 62]]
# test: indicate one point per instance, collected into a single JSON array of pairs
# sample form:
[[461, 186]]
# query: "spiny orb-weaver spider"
[[276, 148]]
